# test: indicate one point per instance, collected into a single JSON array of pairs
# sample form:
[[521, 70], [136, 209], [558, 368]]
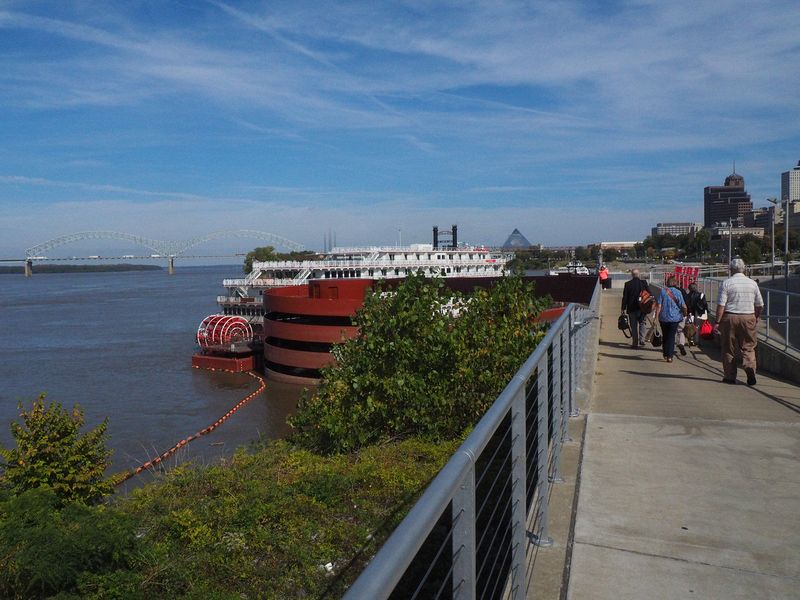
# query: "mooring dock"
[[688, 488]]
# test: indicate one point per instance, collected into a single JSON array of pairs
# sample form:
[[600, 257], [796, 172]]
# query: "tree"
[[610, 255], [426, 361], [51, 452], [748, 247], [751, 252], [582, 253], [261, 254]]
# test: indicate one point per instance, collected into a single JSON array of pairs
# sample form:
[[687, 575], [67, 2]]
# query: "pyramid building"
[[516, 240]]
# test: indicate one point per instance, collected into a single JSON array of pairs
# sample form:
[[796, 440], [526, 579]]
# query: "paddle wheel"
[[223, 331], [226, 343]]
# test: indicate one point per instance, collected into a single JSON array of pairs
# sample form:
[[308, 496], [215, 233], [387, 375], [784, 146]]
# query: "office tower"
[[728, 202]]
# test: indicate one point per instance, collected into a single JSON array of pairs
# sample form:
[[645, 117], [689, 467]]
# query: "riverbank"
[[116, 268], [276, 522]]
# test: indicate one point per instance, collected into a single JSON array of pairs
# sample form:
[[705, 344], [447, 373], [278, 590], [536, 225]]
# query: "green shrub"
[[52, 452], [427, 361], [48, 546], [265, 525]]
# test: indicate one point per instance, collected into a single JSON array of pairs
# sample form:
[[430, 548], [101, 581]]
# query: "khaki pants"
[[738, 332]]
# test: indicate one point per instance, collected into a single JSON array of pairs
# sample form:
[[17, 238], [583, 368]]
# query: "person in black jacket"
[[698, 307], [630, 305]]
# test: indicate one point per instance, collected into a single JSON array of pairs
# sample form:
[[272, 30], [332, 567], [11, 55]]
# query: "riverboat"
[[574, 267], [295, 310], [244, 296]]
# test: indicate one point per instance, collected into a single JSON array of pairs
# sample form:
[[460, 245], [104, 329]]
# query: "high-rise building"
[[790, 189], [726, 203], [760, 217]]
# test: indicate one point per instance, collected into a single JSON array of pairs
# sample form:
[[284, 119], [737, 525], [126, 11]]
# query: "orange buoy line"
[[165, 455]]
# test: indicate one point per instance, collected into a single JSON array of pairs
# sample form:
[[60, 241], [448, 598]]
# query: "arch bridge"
[[168, 249]]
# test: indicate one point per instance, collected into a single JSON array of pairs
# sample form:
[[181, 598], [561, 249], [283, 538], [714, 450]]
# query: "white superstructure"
[[371, 262]]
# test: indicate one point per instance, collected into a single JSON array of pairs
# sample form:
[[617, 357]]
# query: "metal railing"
[[467, 536], [780, 321]]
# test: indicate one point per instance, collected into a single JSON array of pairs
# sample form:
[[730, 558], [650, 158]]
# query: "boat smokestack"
[[455, 237], [435, 237]]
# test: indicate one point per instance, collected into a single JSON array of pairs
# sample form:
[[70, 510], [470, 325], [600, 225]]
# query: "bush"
[[48, 546], [52, 452], [427, 362], [279, 523]]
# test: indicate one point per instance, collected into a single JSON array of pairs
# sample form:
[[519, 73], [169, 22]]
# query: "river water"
[[120, 345]]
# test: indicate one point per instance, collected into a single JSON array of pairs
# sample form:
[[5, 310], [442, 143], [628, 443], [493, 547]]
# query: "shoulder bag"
[[682, 307]]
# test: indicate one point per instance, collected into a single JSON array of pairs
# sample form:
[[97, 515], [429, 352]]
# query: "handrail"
[[540, 397], [778, 306]]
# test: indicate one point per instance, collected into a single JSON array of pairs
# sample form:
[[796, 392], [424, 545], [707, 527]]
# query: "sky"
[[573, 121]]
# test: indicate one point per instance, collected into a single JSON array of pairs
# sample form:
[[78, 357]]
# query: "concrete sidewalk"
[[689, 488]]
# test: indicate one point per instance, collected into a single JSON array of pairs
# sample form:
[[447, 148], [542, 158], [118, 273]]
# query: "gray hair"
[[635, 273], [737, 265]]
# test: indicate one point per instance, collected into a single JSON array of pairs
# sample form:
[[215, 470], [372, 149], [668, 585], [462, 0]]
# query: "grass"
[[279, 522]]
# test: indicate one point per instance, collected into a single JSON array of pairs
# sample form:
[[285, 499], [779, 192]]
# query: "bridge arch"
[[156, 245], [164, 247], [182, 246]]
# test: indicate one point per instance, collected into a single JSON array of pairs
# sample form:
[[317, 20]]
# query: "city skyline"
[[570, 122]]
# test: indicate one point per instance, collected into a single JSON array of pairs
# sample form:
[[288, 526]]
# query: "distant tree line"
[[690, 247], [39, 268], [697, 247], [265, 253]]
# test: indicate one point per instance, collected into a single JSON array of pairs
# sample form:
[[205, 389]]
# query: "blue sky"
[[572, 121]]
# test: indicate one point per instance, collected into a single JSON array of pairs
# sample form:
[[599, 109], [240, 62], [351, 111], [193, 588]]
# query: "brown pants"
[[738, 332]]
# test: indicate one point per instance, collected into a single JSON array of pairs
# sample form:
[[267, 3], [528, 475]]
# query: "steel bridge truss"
[[165, 248]]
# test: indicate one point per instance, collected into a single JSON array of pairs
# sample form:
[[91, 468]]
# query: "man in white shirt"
[[739, 306]]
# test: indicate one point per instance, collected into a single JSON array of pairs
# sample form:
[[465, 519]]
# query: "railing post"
[[788, 316], [573, 367], [519, 517], [558, 414], [768, 315], [464, 538], [566, 385], [541, 538]]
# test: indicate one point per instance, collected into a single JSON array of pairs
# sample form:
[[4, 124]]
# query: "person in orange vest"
[[605, 281]]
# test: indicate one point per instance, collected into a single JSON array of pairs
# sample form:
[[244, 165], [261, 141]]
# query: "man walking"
[[738, 308], [630, 304]]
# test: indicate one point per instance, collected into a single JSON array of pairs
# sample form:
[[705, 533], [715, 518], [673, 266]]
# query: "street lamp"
[[774, 209], [786, 239]]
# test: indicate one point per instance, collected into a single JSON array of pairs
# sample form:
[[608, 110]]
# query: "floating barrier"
[[165, 455]]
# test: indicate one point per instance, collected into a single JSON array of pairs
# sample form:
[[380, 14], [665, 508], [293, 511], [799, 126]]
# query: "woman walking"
[[697, 310], [605, 282], [670, 312]]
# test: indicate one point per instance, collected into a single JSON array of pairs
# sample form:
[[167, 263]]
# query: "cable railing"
[[780, 320], [467, 537]]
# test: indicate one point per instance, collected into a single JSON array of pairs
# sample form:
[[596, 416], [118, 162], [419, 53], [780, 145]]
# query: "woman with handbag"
[[670, 312]]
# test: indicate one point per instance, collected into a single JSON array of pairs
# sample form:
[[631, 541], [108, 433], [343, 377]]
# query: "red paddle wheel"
[[223, 330], [225, 341]]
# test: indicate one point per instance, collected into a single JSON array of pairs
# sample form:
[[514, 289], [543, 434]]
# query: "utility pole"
[[786, 240], [730, 240], [773, 211]]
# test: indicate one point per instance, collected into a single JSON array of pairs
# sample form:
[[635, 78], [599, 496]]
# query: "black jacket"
[[696, 303], [630, 294]]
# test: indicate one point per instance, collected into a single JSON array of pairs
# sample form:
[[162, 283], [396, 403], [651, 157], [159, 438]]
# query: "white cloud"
[[491, 112]]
